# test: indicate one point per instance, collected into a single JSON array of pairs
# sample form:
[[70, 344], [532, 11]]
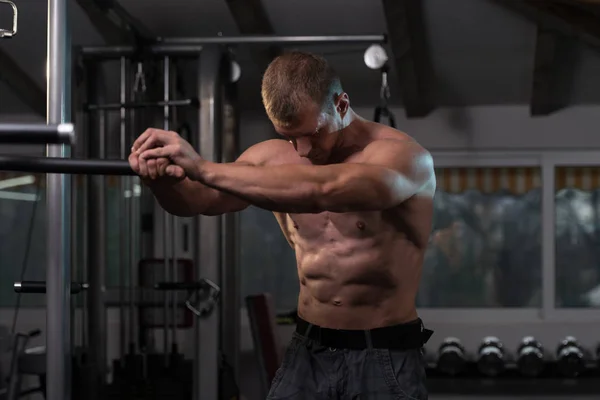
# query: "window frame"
[[547, 161]]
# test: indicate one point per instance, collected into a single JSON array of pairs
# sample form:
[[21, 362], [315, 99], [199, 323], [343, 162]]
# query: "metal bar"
[[124, 216], [115, 52], [40, 287], [97, 208], [172, 224], [230, 276], [148, 104], [65, 166], [191, 46], [208, 229], [15, 21], [58, 273], [166, 220], [37, 133], [548, 238], [274, 39]]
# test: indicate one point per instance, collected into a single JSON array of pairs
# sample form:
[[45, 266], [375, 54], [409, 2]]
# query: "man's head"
[[304, 99]]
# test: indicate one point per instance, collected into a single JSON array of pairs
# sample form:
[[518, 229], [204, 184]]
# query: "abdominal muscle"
[[353, 278]]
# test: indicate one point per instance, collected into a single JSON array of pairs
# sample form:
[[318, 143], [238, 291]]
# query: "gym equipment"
[[37, 134], [65, 165], [382, 110], [40, 287], [376, 58], [491, 357], [147, 104], [203, 295], [530, 357], [8, 33], [570, 357], [18, 368], [451, 357]]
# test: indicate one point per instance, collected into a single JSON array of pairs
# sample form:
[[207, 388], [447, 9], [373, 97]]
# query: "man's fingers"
[[134, 163], [175, 171], [161, 166], [159, 152], [141, 139], [152, 170], [153, 141], [143, 167]]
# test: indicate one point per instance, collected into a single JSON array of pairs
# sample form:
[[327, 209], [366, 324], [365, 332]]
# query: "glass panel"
[[577, 252], [22, 235], [485, 246]]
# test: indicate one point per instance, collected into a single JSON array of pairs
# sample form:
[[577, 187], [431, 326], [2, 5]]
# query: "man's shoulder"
[[400, 145], [266, 152]]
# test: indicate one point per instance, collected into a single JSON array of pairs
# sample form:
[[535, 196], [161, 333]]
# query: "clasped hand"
[[159, 153]]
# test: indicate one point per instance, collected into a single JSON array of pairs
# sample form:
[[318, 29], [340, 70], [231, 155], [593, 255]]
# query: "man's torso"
[[357, 270]]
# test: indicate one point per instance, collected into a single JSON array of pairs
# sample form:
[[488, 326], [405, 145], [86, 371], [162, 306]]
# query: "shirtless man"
[[354, 200]]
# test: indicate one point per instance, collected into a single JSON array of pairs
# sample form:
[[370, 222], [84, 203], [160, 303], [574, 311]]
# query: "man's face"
[[315, 134]]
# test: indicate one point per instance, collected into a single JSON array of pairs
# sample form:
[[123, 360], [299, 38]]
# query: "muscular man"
[[354, 200]]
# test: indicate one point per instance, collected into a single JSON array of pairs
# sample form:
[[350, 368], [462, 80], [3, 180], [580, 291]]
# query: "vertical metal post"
[[123, 220], [230, 282], [208, 229], [58, 272], [135, 118], [548, 238], [166, 219], [97, 247]]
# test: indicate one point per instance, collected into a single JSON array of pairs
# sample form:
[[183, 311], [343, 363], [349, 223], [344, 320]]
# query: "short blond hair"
[[294, 79]]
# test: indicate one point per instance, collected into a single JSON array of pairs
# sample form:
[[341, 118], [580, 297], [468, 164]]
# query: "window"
[[577, 241], [485, 246]]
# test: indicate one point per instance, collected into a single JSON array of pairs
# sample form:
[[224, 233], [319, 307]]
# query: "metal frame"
[[274, 39], [191, 46], [58, 273], [208, 229], [547, 160]]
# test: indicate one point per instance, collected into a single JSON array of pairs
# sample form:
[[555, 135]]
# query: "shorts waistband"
[[407, 336]]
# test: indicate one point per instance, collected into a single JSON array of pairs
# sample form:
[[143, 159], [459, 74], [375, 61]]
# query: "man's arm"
[[391, 172], [189, 198]]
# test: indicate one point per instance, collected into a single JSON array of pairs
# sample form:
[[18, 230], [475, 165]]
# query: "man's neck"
[[352, 134]]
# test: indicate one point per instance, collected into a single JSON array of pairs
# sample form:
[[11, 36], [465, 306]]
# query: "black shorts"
[[380, 364]]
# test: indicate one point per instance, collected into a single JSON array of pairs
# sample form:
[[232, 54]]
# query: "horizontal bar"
[[114, 52], [273, 39], [40, 287], [53, 165], [146, 104], [18, 133], [190, 46]]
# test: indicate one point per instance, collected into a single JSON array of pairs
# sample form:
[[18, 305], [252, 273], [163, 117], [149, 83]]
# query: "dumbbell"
[[491, 356], [451, 356], [530, 357], [570, 357]]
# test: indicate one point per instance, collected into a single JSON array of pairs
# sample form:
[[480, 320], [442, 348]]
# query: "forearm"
[[301, 188], [190, 198]]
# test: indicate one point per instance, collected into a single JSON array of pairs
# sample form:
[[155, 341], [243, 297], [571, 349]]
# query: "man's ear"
[[342, 104]]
